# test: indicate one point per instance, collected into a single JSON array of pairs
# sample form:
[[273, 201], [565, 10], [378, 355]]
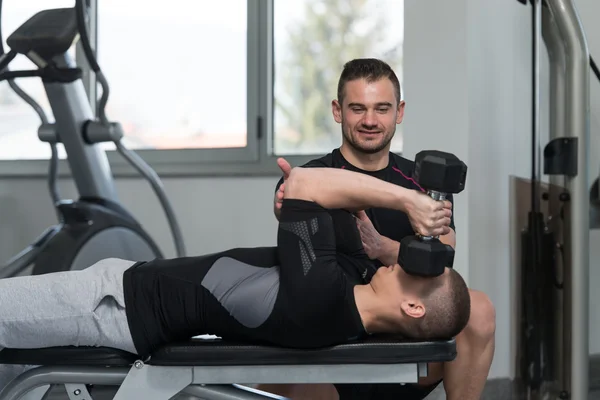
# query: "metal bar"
[[341, 373], [577, 109], [18, 263], [535, 119], [60, 375], [556, 55], [89, 78], [226, 392], [88, 163], [557, 91]]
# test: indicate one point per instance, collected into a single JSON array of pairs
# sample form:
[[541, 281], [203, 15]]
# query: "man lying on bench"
[[295, 294]]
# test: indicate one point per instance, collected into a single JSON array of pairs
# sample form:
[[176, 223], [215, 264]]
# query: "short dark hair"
[[370, 69], [447, 310]]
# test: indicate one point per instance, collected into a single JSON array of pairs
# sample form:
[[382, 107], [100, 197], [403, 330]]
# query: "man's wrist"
[[391, 248], [404, 198]]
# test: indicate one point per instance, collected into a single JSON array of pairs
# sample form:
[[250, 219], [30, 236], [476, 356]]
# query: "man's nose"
[[370, 119]]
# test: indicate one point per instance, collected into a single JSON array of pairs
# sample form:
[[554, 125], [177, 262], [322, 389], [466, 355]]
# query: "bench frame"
[[213, 369], [151, 382]]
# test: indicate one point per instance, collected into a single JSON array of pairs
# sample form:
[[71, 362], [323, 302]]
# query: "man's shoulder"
[[402, 163], [401, 172]]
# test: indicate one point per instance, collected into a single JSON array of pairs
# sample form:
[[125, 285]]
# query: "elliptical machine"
[[95, 226]]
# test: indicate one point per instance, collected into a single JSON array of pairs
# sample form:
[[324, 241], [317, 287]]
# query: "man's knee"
[[482, 322], [435, 373]]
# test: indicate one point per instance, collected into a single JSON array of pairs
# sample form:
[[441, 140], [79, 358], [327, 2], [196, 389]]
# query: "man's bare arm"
[[449, 238], [353, 191], [338, 188]]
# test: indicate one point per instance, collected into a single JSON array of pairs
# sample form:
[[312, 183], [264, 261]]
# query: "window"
[[177, 71], [312, 41], [191, 83], [18, 121]]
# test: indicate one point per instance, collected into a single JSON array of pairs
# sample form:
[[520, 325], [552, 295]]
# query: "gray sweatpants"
[[79, 308]]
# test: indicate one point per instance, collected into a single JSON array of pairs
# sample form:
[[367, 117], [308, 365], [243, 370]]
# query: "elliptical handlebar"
[[130, 156], [5, 60], [594, 67], [68, 74], [91, 59]]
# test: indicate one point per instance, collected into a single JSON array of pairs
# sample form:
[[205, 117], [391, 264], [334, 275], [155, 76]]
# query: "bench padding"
[[68, 356], [217, 352], [202, 352]]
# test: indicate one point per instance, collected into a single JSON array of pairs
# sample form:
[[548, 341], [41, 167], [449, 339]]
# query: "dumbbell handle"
[[434, 194]]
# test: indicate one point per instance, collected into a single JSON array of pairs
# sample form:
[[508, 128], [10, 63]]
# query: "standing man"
[[368, 108]]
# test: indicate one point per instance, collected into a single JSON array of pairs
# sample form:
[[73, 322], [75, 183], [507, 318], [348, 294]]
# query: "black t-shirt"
[[295, 295], [390, 223]]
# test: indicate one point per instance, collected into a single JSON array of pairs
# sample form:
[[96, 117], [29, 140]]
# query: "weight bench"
[[214, 369]]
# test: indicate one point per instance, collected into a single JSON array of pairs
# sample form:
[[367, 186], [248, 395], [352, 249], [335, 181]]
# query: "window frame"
[[256, 159]]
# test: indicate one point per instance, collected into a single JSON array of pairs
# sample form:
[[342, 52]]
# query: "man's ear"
[[336, 109], [413, 308], [400, 113]]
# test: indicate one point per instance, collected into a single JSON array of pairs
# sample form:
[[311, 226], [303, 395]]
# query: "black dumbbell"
[[439, 174]]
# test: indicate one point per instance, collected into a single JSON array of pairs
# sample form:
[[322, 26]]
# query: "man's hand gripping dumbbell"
[[439, 174]]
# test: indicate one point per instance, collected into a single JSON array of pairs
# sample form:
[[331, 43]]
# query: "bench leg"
[[154, 383], [423, 370], [227, 392], [28, 382]]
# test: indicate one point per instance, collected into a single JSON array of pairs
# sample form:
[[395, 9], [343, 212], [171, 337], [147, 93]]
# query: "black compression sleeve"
[[307, 254]]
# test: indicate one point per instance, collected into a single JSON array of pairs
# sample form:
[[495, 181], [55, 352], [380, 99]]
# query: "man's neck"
[[372, 311], [366, 162]]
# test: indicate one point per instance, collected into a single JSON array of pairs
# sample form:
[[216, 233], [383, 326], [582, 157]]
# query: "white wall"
[[467, 66], [590, 11], [467, 84], [215, 214]]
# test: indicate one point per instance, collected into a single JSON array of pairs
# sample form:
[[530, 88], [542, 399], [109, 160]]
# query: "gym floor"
[[438, 394]]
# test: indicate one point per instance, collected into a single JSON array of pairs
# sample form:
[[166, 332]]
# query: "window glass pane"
[[313, 40], [176, 70], [18, 121]]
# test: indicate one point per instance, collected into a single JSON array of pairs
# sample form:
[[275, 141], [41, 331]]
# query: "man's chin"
[[369, 148]]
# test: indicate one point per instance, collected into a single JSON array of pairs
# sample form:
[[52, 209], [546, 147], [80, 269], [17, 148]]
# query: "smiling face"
[[368, 114]]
